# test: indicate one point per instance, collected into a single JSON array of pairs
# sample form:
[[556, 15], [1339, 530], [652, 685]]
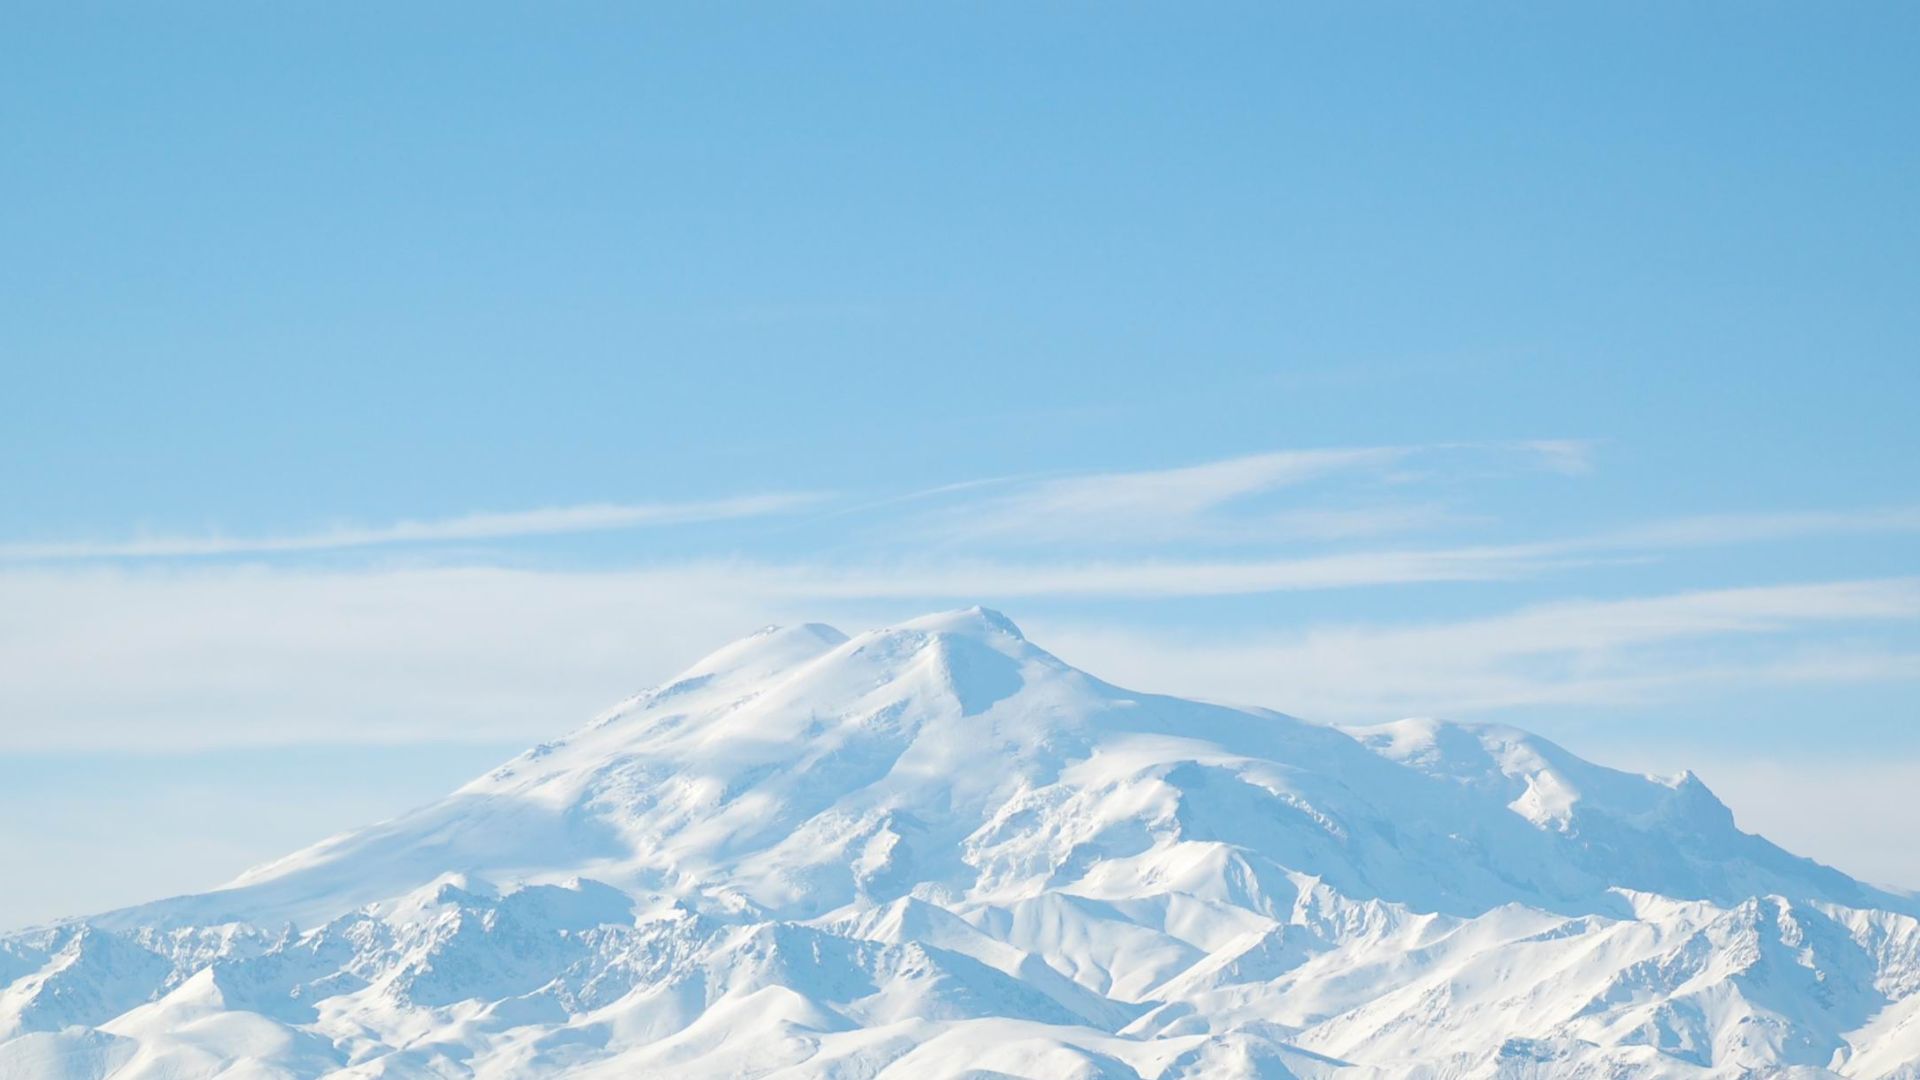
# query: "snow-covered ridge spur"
[[936, 850]]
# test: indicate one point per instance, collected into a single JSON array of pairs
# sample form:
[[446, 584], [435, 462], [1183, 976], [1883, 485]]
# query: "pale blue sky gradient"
[[1592, 327]]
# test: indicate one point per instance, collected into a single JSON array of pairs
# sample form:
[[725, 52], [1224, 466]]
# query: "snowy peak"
[[977, 650], [774, 649], [974, 622], [1548, 785], [783, 648]]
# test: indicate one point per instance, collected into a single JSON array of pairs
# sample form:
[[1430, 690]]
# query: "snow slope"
[[936, 850]]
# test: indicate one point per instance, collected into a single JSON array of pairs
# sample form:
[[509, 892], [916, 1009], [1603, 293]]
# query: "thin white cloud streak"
[[1199, 502], [1151, 507], [217, 656], [973, 579], [1586, 653], [1611, 624], [1192, 489], [1192, 501], [1572, 457], [1718, 530], [548, 521], [1145, 505]]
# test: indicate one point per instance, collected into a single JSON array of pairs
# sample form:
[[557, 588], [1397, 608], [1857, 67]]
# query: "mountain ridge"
[[925, 847]]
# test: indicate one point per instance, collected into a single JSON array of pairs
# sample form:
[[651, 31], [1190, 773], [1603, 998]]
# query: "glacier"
[[936, 850]]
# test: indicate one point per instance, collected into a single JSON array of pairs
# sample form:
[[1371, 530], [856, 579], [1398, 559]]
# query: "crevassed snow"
[[936, 850]]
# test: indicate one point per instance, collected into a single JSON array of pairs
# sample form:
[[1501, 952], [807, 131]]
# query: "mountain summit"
[[936, 850]]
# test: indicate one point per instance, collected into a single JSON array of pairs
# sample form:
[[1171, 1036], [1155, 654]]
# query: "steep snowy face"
[[936, 848]]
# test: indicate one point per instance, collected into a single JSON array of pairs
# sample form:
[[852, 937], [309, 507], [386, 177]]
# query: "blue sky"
[[390, 388]]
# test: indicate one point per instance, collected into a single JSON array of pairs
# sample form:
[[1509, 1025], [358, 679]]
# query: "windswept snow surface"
[[936, 850]]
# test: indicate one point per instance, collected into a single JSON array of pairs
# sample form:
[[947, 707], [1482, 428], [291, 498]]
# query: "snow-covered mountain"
[[936, 850]]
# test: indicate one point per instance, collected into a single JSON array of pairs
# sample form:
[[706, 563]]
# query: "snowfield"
[[936, 850]]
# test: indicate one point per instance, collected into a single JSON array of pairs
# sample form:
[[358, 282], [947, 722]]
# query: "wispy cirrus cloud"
[[1135, 508], [1716, 530], [1218, 498], [969, 579], [546, 521], [1114, 534], [1573, 457], [1566, 653]]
